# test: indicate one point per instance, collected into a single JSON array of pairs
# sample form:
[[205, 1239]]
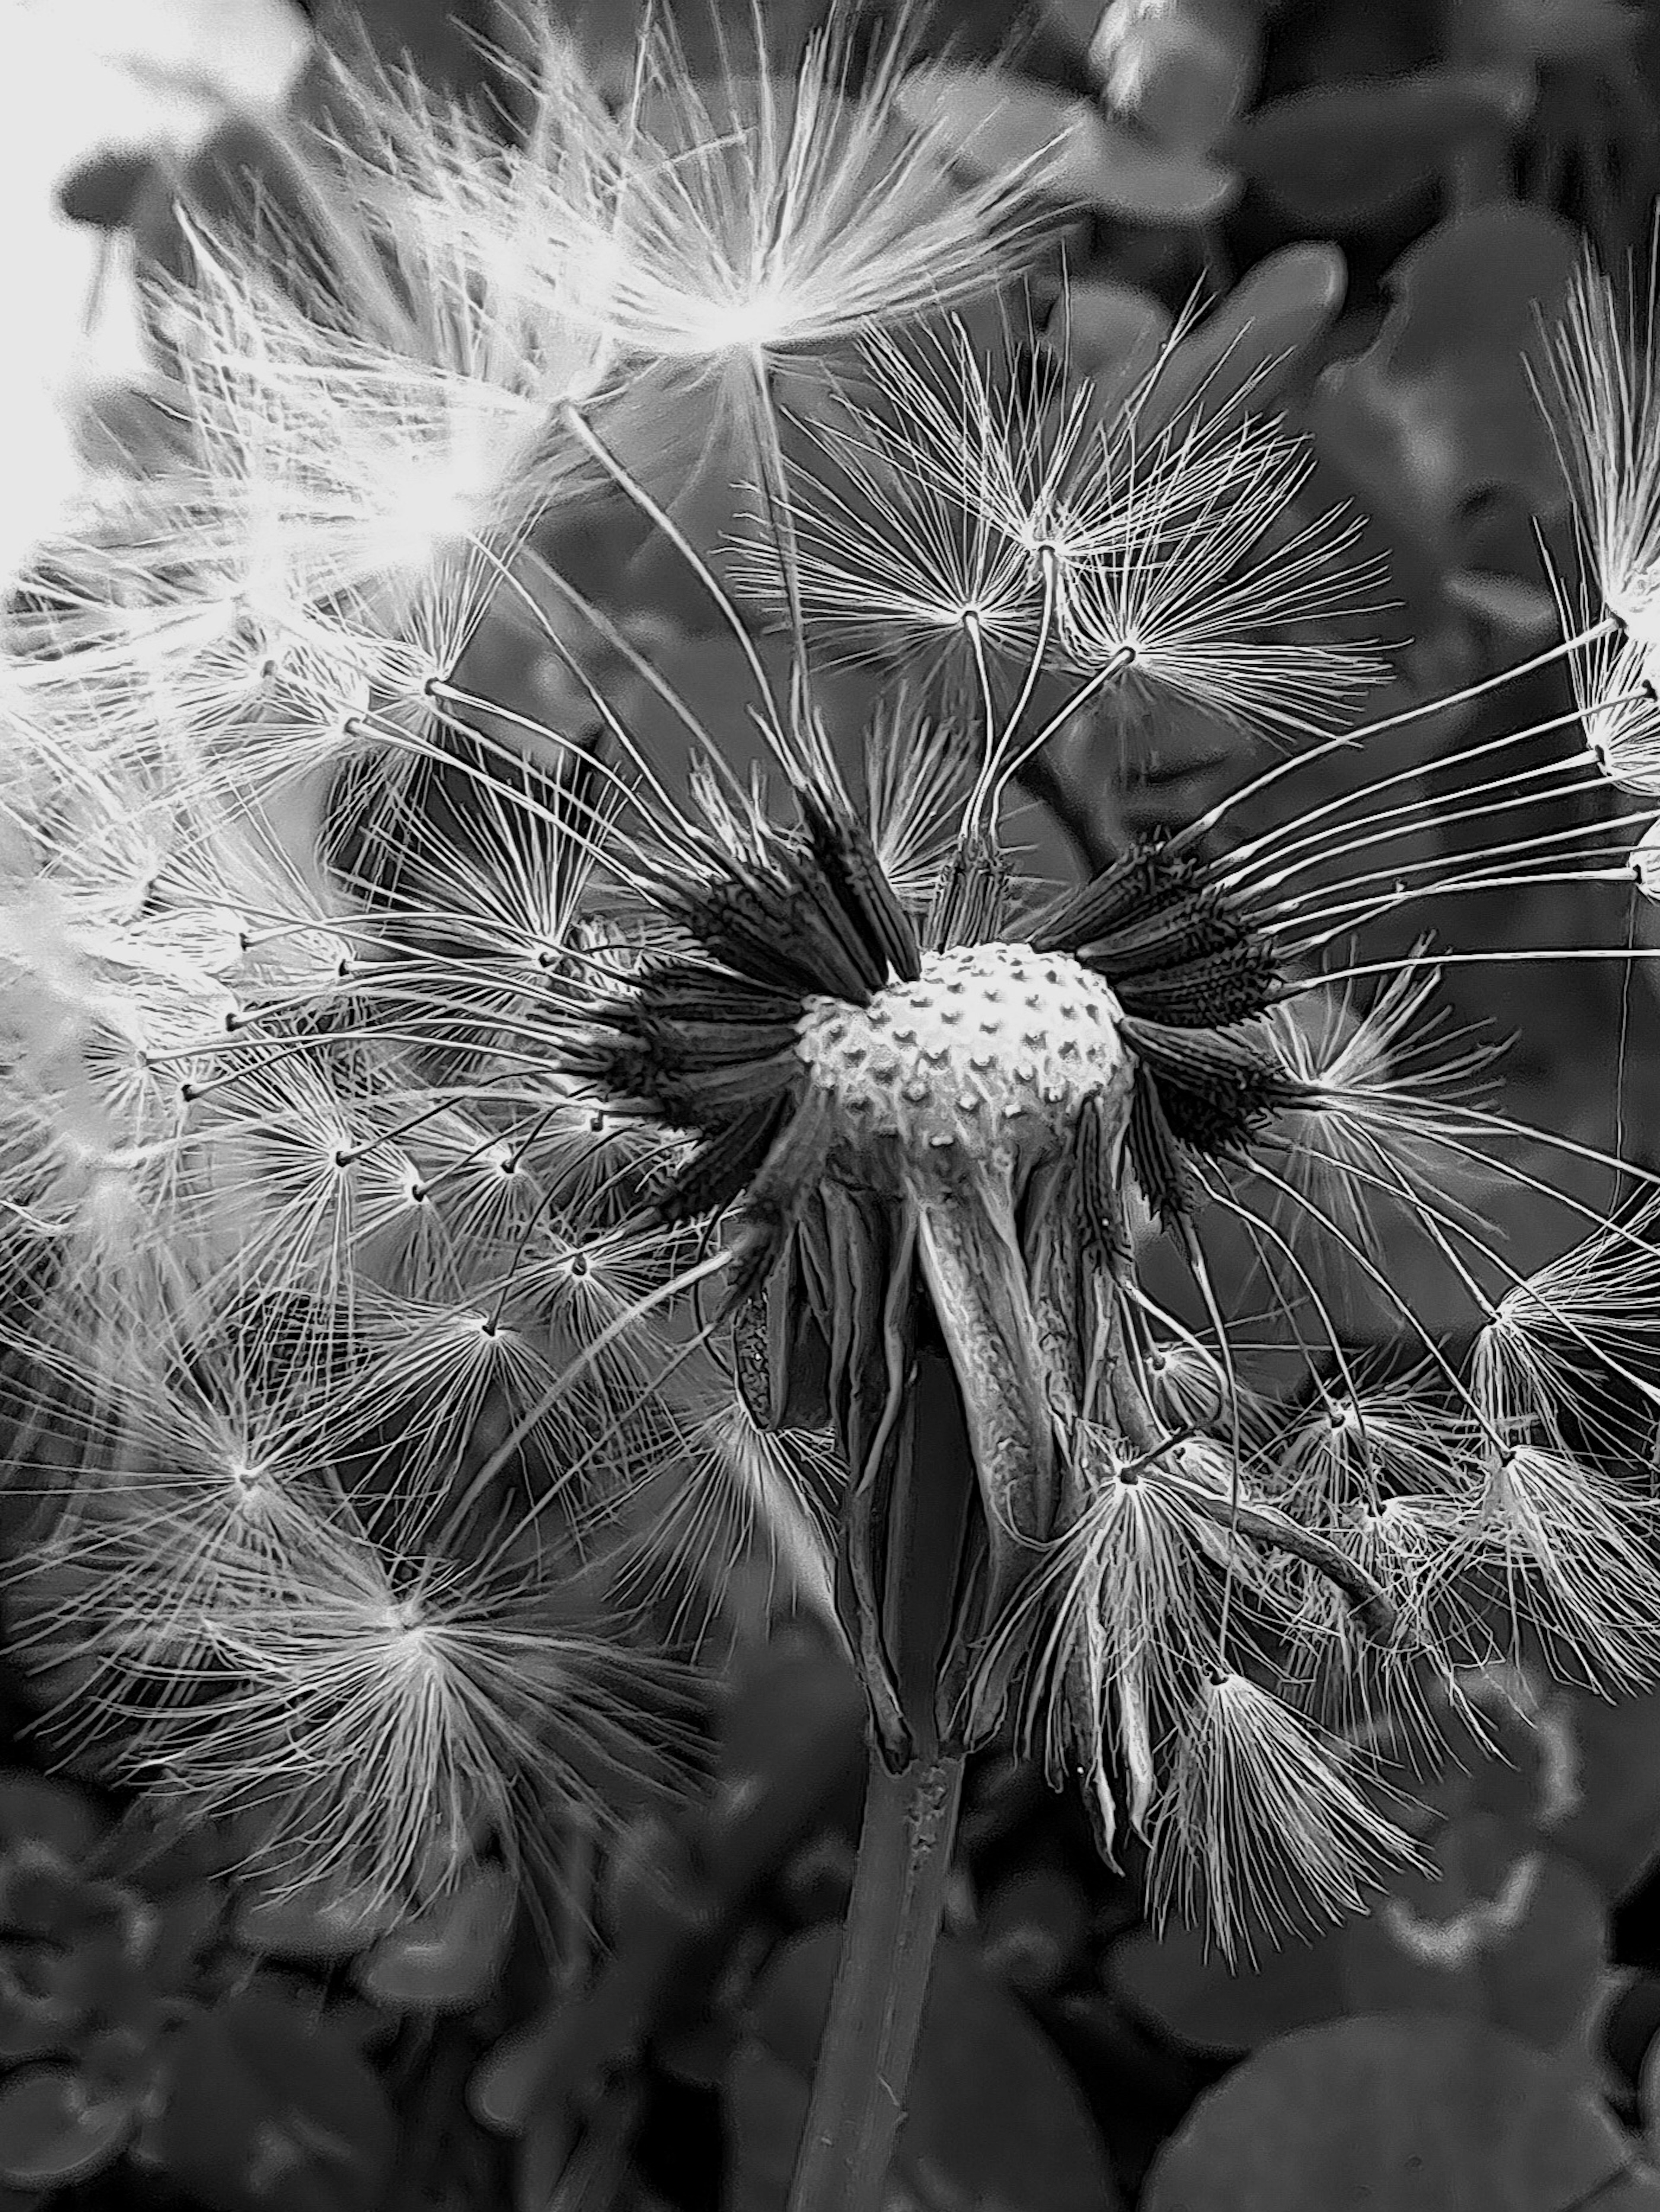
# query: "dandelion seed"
[[1562, 1347], [1128, 1605], [1570, 1552], [430, 1371], [1365, 1444], [431, 327], [1200, 600], [758, 215], [1188, 1386], [893, 551], [1645, 862], [393, 1710], [1607, 423], [956, 510], [746, 1489], [206, 1481], [1265, 1819], [1360, 1684], [1386, 1085], [1613, 690]]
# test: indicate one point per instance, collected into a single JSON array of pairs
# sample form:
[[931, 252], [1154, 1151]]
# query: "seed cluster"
[[991, 1052]]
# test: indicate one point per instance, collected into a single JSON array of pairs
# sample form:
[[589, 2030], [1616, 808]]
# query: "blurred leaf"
[[1639, 2191], [1000, 124], [101, 189], [658, 1910], [41, 2004], [1174, 1980], [503, 2093], [1613, 1828], [41, 1892], [1075, 20], [1180, 71], [1500, 1927], [448, 1958], [1257, 341], [43, 1811], [798, 1677], [993, 2118], [1544, 32], [1515, 1936], [1480, 280], [1525, 614], [1339, 155], [1511, 1762], [1439, 410], [314, 1920], [1409, 2113], [1032, 1928], [271, 2107], [186, 1921], [1629, 2021], [797, 1694], [1113, 335], [1648, 2097], [55, 2128]]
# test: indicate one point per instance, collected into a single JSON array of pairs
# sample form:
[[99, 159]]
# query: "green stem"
[[881, 1982]]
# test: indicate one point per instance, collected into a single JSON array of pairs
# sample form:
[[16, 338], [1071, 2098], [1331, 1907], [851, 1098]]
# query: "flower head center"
[[993, 1051]]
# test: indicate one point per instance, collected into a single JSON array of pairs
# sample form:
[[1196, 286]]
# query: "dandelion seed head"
[[991, 1051], [439, 1048]]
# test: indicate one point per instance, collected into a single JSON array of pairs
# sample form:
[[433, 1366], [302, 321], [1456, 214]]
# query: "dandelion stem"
[[881, 1983]]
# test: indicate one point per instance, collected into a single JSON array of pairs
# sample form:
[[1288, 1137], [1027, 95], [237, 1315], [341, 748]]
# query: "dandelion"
[[447, 1157], [940, 1122], [926, 1115]]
